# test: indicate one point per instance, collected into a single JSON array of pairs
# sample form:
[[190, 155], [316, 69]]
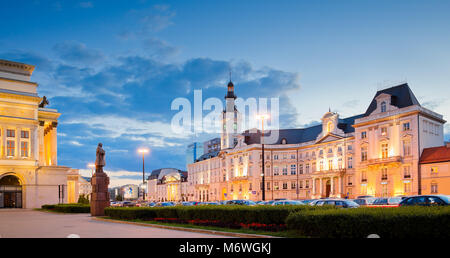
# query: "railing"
[[383, 160]]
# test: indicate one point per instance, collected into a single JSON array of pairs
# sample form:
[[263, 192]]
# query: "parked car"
[[365, 196], [127, 204], [208, 203], [240, 202], [365, 201], [426, 200], [164, 204], [309, 201], [342, 203], [288, 202], [266, 202], [187, 203], [387, 202]]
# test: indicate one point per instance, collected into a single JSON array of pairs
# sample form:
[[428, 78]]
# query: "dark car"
[[387, 202], [266, 202], [165, 204], [337, 203], [240, 202], [426, 200], [365, 201]]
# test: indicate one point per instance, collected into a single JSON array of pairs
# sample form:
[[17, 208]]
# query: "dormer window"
[[329, 127], [283, 141], [383, 106]]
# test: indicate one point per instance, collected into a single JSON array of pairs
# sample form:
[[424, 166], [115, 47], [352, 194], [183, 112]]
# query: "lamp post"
[[92, 166], [143, 151], [262, 117]]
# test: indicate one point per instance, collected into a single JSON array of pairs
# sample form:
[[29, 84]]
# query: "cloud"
[[434, 103], [40, 62], [159, 49], [118, 177], [76, 52]]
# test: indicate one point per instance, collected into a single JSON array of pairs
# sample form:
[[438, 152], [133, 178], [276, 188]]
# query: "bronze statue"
[[100, 160], [44, 102]]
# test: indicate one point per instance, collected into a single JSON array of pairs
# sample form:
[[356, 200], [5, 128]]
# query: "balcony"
[[383, 161]]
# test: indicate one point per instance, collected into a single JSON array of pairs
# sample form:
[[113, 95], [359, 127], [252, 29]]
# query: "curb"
[[195, 230]]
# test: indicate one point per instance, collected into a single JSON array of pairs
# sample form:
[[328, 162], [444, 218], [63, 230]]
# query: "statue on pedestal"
[[100, 182]]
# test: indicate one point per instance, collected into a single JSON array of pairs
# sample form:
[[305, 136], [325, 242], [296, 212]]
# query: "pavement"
[[24, 223]]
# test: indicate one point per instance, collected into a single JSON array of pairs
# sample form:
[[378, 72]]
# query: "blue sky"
[[113, 67]]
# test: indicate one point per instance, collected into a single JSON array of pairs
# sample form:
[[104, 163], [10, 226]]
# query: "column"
[[340, 186], [314, 185], [321, 188], [3, 143], [40, 143], [17, 150], [332, 185], [54, 141]]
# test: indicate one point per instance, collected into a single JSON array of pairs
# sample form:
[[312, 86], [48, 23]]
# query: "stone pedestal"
[[100, 194]]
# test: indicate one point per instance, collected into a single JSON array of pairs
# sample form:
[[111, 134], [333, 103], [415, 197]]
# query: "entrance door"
[[10, 192], [328, 189]]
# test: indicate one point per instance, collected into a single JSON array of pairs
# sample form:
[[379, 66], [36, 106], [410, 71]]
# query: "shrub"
[[259, 217], [82, 199], [402, 222], [68, 208]]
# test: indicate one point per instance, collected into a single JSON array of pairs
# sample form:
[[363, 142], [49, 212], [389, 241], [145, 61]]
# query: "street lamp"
[[143, 151], [262, 117], [92, 166]]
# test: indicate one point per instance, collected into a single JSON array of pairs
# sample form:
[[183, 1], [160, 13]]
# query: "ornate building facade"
[[375, 153], [29, 172]]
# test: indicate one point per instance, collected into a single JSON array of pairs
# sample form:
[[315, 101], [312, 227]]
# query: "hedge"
[[68, 208], [224, 216], [401, 222]]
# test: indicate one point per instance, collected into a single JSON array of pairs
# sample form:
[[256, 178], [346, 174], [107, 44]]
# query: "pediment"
[[329, 138]]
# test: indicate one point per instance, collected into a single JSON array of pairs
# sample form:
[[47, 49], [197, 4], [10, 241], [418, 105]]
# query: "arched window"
[[329, 127], [283, 141], [383, 106]]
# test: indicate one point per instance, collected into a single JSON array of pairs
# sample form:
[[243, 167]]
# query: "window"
[[293, 185], [434, 188], [350, 162], [406, 126], [434, 170], [300, 168], [10, 133], [292, 156], [340, 163], [330, 127], [363, 153], [307, 168], [24, 149], [407, 148], [300, 185], [384, 190], [10, 148], [407, 187], [284, 156], [268, 185], [406, 172], [275, 157], [363, 135], [293, 169], [25, 134], [384, 131], [349, 147], [384, 174], [307, 184], [330, 164], [283, 141], [275, 171], [383, 107], [285, 186], [363, 176], [349, 180], [321, 165], [275, 186], [384, 150], [285, 171]]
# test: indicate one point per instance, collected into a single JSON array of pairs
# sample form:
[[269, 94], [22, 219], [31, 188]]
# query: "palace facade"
[[374, 153], [29, 172]]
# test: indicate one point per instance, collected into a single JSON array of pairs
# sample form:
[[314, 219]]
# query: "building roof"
[[162, 171], [208, 156], [435, 154], [401, 96], [86, 178], [302, 135]]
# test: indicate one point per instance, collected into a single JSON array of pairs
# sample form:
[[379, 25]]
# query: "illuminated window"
[[406, 147], [434, 170], [407, 187], [406, 172], [10, 148], [384, 190], [384, 150], [383, 107], [434, 188], [307, 184], [285, 186], [275, 186], [330, 164], [363, 176], [24, 149], [384, 131], [363, 153], [300, 169], [300, 185], [321, 165], [384, 174], [293, 185], [330, 127]]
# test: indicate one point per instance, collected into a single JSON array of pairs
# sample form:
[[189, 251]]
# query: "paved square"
[[17, 223]]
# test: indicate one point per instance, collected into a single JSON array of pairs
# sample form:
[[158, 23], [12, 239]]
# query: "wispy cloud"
[[86, 4]]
